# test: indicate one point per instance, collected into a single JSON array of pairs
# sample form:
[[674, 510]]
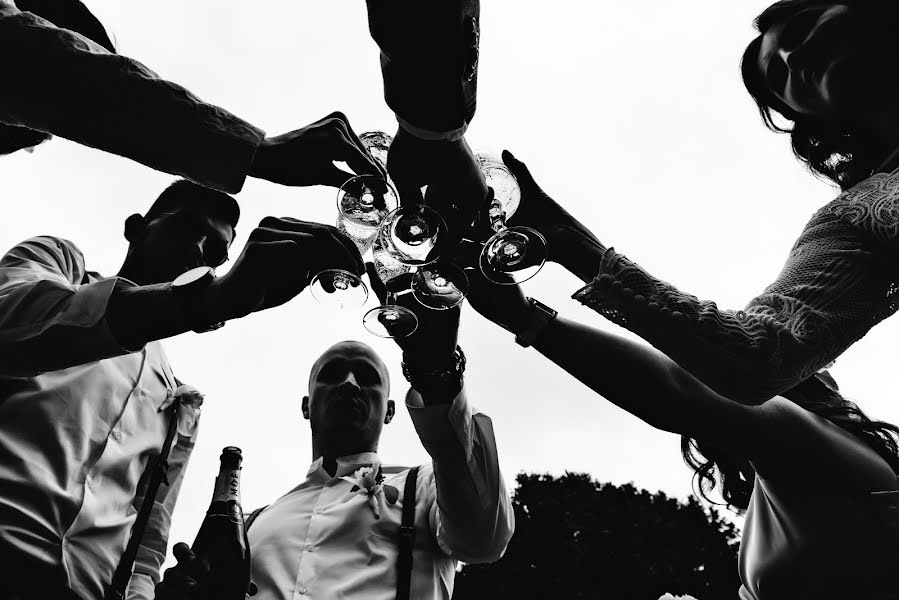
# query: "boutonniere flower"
[[369, 482], [191, 400]]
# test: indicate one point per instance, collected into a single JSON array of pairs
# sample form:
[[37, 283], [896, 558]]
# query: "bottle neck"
[[227, 484]]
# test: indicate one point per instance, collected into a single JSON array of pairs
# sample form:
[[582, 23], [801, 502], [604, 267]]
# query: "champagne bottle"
[[222, 539]]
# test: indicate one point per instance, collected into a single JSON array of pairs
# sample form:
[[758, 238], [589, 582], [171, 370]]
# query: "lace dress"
[[839, 281]]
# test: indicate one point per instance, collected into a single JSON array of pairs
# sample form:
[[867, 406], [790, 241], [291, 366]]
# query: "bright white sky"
[[630, 114]]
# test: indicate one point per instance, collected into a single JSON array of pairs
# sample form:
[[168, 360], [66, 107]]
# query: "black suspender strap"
[[252, 517], [116, 589], [407, 538]]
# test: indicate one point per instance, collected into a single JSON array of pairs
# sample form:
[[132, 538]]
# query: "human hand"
[[504, 305], [433, 343], [180, 582], [277, 263], [456, 186], [306, 156], [185, 580], [568, 240]]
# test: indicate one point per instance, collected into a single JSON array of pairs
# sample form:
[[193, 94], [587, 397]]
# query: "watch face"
[[195, 274]]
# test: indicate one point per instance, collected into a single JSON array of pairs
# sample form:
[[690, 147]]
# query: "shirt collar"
[[345, 464]]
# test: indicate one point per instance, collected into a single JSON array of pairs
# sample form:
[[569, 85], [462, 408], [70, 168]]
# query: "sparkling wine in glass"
[[440, 285], [377, 143], [390, 320], [513, 254], [362, 204], [411, 234]]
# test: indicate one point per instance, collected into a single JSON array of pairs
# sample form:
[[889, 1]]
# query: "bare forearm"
[[635, 377]]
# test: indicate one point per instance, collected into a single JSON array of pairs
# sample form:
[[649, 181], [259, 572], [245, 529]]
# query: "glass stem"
[[497, 216]]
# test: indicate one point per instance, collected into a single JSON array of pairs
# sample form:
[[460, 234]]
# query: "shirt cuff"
[[441, 427], [426, 134]]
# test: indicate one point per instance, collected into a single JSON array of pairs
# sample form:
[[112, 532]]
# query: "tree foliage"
[[577, 538]]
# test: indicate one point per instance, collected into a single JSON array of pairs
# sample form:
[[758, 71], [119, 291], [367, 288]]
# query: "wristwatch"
[[188, 290], [538, 318], [424, 381]]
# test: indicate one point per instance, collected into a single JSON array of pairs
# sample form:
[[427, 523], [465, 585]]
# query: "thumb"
[[518, 168], [183, 554]]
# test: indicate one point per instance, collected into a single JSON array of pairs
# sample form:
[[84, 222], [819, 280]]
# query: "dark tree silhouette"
[[577, 538]]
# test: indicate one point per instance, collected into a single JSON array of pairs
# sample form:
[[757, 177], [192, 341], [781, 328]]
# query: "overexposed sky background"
[[630, 114]]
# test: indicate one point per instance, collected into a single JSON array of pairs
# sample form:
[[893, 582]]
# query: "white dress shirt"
[[320, 541], [76, 429]]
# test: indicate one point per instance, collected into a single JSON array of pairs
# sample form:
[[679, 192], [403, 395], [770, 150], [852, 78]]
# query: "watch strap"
[[188, 290], [449, 377], [538, 318]]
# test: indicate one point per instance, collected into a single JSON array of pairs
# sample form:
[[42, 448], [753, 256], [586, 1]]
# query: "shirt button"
[[318, 511], [302, 590], [309, 548], [117, 435]]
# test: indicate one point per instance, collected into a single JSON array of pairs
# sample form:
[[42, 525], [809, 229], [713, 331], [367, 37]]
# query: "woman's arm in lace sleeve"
[[747, 355], [62, 83]]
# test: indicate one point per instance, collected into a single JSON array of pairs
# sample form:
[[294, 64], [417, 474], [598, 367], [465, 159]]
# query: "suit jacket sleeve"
[[62, 83], [429, 60]]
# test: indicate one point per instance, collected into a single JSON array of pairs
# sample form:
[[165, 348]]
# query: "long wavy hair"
[[829, 147], [735, 476]]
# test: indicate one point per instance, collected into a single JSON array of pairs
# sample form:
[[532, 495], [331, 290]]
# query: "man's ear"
[[305, 407], [391, 410], [134, 227]]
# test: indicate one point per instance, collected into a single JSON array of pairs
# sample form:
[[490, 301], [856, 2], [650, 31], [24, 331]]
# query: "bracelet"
[[430, 380], [538, 319]]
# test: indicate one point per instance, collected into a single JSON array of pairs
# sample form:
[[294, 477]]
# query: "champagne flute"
[[390, 320], [440, 285], [362, 204], [377, 143], [412, 233], [513, 254]]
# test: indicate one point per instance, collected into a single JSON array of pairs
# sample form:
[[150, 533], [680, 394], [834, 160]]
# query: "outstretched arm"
[[777, 436], [65, 84], [801, 322]]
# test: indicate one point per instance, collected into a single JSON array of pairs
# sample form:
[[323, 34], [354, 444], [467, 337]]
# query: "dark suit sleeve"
[[57, 81], [429, 61]]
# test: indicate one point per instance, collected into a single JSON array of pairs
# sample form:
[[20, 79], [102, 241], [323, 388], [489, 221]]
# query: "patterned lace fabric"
[[839, 280]]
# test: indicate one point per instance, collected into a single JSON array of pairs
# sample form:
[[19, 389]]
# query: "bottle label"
[[227, 486]]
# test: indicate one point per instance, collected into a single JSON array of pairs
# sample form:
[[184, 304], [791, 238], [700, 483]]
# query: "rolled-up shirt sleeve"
[[60, 82], [52, 315], [472, 518]]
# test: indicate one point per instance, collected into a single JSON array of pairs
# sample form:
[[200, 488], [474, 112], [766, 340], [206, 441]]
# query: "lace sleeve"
[[872, 207], [748, 355]]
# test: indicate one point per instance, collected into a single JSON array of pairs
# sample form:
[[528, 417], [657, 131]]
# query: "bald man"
[[336, 534]]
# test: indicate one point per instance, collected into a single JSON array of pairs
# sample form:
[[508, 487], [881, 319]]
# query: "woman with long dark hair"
[[822, 66], [814, 476]]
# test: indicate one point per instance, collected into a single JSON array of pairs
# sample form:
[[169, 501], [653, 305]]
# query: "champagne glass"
[[412, 233], [440, 285], [390, 320], [413, 236], [377, 143], [513, 254], [362, 204]]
